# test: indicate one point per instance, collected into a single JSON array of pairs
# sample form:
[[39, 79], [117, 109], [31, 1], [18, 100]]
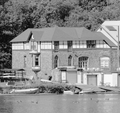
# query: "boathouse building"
[[81, 56]]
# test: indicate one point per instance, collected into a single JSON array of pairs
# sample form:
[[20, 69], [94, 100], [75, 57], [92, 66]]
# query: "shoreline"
[[59, 88]]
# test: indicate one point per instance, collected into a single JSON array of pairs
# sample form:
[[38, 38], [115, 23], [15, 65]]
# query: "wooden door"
[[92, 80], [72, 77], [63, 73]]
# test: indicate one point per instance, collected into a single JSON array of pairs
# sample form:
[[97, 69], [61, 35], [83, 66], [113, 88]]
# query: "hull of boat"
[[68, 92], [24, 91], [86, 92]]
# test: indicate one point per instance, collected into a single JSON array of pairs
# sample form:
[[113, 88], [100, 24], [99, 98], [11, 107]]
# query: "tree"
[[18, 15]]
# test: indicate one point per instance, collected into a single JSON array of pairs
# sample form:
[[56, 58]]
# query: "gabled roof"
[[103, 37], [111, 22], [110, 29], [23, 37], [61, 34], [37, 35], [85, 34]]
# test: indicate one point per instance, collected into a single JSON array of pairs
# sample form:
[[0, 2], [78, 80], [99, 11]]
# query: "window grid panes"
[[33, 45], [27, 45], [91, 43], [79, 44], [69, 44], [101, 44], [105, 62], [46, 45], [83, 62], [17, 46], [56, 46], [63, 44]]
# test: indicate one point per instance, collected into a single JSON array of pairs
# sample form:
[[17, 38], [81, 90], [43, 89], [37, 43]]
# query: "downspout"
[[118, 58], [118, 49]]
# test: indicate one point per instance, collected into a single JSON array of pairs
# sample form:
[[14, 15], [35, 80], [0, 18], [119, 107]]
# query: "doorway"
[[92, 80]]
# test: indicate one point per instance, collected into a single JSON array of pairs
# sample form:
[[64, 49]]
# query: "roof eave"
[[26, 33]]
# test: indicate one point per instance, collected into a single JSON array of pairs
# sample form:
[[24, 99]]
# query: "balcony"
[[36, 68], [34, 52]]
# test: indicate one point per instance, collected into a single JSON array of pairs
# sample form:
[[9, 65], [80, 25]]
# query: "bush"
[[55, 88], [51, 89], [44, 87]]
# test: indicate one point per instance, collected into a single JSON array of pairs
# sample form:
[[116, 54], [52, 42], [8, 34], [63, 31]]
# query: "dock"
[[80, 88]]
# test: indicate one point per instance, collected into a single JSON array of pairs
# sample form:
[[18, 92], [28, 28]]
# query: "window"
[[82, 44], [79, 44], [33, 45], [69, 43], [83, 62], [46, 45], [56, 46], [91, 43], [70, 60], [36, 60], [101, 44], [56, 61], [26, 45], [17, 46], [105, 62], [63, 45], [25, 61]]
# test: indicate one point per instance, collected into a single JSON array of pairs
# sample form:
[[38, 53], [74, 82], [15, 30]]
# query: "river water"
[[50, 103]]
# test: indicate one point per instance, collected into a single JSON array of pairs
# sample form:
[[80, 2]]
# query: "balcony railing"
[[34, 52], [36, 68]]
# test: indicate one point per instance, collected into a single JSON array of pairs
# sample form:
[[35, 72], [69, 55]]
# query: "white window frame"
[[83, 63], [105, 62]]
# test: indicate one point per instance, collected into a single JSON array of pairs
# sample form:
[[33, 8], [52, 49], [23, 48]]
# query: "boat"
[[86, 92], [68, 92], [24, 91]]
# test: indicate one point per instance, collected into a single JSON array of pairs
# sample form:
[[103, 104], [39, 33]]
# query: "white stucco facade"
[[110, 79], [99, 78], [111, 29]]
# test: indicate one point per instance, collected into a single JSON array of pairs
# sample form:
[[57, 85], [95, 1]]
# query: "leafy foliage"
[[18, 15]]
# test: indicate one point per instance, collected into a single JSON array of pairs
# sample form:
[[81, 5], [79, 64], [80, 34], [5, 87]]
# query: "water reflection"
[[92, 103], [5, 105]]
